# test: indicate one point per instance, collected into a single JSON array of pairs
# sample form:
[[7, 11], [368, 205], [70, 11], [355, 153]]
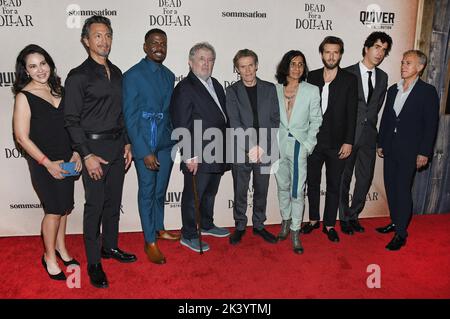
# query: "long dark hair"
[[284, 65], [22, 79]]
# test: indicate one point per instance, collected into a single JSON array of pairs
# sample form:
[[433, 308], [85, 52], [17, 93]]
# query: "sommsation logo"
[[75, 12], [244, 14]]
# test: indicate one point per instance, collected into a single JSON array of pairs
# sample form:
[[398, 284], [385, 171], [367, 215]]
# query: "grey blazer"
[[367, 117], [240, 115]]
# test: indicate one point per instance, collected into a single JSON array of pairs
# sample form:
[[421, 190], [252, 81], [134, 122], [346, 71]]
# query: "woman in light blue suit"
[[300, 119]]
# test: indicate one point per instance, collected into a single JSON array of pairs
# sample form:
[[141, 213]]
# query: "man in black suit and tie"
[[197, 105], [372, 86], [339, 102], [406, 139], [252, 105]]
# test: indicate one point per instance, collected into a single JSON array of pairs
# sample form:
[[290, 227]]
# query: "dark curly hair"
[[22, 79], [284, 65], [374, 37]]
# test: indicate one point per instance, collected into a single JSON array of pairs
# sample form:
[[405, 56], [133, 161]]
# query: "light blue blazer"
[[306, 116]]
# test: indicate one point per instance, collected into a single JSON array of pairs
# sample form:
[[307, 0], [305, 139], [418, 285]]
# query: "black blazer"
[[339, 120], [416, 124], [191, 101], [240, 114], [368, 113]]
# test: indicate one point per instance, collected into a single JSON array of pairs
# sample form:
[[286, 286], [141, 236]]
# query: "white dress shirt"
[[401, 96], [365, 79], [210, 87], [325, 93]]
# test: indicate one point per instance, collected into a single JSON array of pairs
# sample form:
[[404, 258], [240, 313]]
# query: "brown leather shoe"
[[164, 234], [154, 254]]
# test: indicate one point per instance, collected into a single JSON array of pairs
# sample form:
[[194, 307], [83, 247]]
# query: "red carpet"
[[253, 269]]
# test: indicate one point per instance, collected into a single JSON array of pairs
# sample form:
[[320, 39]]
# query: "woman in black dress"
[[39, 128]]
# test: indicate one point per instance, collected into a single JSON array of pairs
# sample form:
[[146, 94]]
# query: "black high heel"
[[73, 261], [59, 276]]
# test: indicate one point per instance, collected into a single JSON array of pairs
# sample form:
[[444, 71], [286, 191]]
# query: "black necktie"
[[370, 86]]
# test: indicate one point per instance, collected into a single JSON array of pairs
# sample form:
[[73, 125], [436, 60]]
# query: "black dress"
[[48, 133]]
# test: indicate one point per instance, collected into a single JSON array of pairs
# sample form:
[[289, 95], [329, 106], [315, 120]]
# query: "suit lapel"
[[357, 72], [301, 96], [260, 100], [282, 104], [411, 97], [219, 90], [333, 88], [390, 100], [243, 96], [204, 94], [377, 89]]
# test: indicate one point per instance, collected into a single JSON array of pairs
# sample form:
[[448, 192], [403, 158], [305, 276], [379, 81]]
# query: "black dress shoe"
[[308, 227], [265, 235], [236, 237], [58, 276], [73, 261], [118, 255], [332, 234], [356, 226], [396, 243], [97, 276], [387, 229], [346, 228]]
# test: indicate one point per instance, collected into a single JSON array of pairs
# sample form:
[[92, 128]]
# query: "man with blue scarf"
[[147, 89]]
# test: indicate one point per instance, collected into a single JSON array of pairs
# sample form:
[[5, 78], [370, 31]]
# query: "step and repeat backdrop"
[[269, 27]]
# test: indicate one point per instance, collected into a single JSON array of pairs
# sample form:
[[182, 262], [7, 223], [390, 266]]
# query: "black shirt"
[[93, 103], [253, 97]]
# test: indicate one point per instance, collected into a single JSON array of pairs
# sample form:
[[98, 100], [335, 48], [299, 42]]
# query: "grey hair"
[[199, 46], [423, 60]]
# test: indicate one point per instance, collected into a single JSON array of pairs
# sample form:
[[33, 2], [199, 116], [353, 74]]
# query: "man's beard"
[[331, 66]]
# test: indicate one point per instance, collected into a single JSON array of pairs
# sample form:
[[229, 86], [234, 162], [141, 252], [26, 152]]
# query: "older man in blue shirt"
[[147, 89]]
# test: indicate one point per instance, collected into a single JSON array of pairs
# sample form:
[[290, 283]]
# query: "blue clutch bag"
[[70, 168]]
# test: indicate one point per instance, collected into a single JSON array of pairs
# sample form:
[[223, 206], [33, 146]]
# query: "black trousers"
[[207, 186], [103, 200], [398, 180], [334, 168], [241, 179], [362, 162]]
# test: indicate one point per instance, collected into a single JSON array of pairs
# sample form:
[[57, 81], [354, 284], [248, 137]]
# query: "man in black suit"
[[94, 119], [252, 106], [406, 139], [339, 101], [372, 86], [198, 105]]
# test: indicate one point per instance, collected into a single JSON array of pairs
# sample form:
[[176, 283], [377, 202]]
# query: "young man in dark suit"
[[372, 86], [198, 105], [407, 133], [339, 102]]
